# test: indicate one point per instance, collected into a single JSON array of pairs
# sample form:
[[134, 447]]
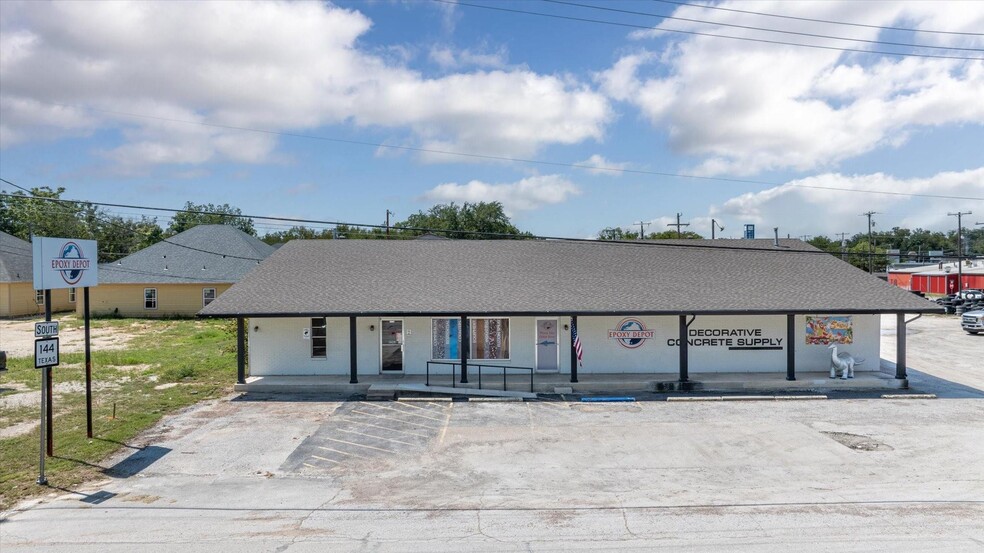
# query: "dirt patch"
[[17, 337], [18, 429], [858, 442]]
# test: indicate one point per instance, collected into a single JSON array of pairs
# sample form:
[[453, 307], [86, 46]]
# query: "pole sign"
[[64, 263], [46, 329], [45, 353]]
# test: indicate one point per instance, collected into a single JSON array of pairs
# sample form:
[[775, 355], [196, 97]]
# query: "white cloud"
[[748, 107], [602, 166], [524, 195], [448, 58], [838, 211], [278, 66]]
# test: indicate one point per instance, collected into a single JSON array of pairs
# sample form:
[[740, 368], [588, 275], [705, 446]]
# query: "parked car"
[[970, 295], [973, 321]]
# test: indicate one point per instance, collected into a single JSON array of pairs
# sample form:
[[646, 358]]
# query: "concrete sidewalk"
[[593, 383]]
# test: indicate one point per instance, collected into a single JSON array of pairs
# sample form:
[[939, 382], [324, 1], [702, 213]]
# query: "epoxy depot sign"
[[64, 263], [630, 333]]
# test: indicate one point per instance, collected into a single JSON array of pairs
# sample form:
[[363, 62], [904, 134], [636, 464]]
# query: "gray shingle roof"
[[16, 257], [205, 253], [349, 277]]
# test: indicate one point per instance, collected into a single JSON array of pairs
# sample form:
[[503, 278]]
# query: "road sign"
[[45, 353], [46, 329]]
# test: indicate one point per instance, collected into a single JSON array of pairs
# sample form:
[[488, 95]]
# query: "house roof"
[[15, 259], [204, 253], [471, 277]]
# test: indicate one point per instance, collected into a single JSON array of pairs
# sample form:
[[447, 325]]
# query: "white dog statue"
[[842, 363]]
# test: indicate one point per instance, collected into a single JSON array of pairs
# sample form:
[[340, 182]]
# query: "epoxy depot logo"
[[72, 263], [630, 333]]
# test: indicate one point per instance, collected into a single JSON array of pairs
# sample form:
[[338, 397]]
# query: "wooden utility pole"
[[959, 216], [871, 254], [678, 224], [388, 213], [642, 233], [714, 224]]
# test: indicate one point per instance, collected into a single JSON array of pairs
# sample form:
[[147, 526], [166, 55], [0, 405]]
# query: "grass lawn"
[[198, 356]]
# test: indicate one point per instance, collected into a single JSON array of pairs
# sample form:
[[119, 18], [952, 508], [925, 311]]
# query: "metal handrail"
[[505, 369]]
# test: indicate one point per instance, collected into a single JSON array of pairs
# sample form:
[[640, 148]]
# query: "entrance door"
[[391, 346], [547, 348]]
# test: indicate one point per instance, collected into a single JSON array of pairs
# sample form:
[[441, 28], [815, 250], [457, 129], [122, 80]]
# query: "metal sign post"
[[45, 357]]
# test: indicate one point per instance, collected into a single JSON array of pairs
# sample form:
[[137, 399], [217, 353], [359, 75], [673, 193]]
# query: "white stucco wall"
[[278, 346]]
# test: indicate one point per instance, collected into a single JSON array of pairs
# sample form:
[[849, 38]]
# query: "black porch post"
[[684, 354], [240, 351], [900, 346], [353, 354], [790, 346], [465, 344], [573, 349]]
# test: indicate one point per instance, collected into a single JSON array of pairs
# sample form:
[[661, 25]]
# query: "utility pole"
[[806, 237], [678, 224], [843, 236], [871, 253], [388, 213], [959, 216], [715, 224], [642, 233]]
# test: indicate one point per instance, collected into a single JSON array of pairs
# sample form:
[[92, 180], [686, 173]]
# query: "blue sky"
[[144, 103]]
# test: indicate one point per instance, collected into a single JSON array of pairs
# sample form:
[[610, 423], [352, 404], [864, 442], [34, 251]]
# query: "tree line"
[[23, 214]]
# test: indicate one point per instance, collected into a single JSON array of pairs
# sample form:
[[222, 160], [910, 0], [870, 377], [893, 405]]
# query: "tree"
[[672, 235], [453, 221], [209, 214], [23, 215], [618, 233]]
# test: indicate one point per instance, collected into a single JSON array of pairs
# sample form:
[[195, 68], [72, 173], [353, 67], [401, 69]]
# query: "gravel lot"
[[294, 473]]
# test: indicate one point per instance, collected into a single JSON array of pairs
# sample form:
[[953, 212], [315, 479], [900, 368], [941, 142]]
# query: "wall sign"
[[829, 330], [64, 263], [630, 333], [735, 339]]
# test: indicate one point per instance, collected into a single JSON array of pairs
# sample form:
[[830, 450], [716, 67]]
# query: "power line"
[[515, 159], [883, 27], [766, 29], [501, 235], [702, 33]]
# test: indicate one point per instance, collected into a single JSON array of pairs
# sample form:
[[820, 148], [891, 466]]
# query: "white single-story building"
[[368, 307]]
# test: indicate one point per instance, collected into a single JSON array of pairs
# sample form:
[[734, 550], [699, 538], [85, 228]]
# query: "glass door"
[[547, 348], [391, 346]]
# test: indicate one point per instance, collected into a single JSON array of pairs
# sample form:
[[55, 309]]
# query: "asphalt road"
[[856, 473]]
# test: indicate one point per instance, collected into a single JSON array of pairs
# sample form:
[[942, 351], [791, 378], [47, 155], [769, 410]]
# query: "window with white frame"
[[319, 337], [39, 297], [489, 338], [445, 339], [150, 298], [71, 295], [208, 296]]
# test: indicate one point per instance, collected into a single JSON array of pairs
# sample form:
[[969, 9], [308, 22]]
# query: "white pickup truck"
[[973, 321]]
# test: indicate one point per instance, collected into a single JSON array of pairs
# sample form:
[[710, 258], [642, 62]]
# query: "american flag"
[[577, 344]]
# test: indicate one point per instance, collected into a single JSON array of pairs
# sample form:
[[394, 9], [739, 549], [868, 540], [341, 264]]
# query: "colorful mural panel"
[[829, 330]]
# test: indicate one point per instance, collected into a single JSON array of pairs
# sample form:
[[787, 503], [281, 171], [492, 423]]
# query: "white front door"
[[547, 347]]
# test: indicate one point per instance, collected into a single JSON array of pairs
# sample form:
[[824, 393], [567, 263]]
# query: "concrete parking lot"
[[295, 473]]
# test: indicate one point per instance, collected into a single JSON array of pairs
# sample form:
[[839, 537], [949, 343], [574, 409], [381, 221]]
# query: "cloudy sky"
[[341, 111]]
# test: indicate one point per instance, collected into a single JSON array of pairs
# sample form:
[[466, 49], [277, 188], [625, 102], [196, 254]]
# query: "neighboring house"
[[366, 307], [17, 295], [177, 276]]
